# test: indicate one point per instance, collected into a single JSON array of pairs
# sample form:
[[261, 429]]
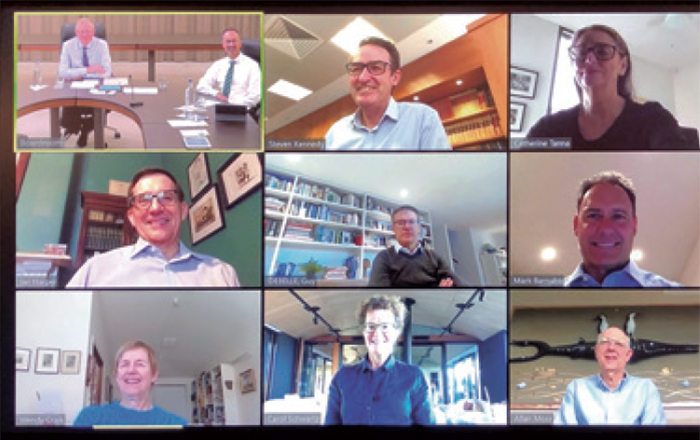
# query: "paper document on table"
[[141, 90], [186, 123], [84, 84], [116, 81]]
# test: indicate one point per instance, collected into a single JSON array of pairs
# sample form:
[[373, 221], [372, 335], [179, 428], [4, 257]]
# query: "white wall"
[[653, 83], [691, 272], [533, 44], [58, 320], [686, 84]]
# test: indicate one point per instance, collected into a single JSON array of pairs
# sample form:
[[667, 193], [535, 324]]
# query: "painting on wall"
[[47, 360]]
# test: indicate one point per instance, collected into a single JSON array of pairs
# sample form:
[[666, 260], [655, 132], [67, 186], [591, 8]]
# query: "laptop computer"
[[230, 112]]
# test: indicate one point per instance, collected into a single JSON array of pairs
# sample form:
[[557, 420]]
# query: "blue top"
[[588, 401], [115, 414], [629, 276], [394, 394], [404, 126], [143, 264], [71, 62]]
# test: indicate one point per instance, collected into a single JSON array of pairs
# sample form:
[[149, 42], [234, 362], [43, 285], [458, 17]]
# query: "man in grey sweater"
[[407, 263]]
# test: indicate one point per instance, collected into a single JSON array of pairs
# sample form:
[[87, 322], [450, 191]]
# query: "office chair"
[[251, 48], [68, 32]]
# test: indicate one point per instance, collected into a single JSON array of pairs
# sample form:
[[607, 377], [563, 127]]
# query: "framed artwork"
[[239, 176], [523, 82], [206, 217], [70, 362], [517, 114], [247, 380], [198, 175], [22, 359], [47, 360]]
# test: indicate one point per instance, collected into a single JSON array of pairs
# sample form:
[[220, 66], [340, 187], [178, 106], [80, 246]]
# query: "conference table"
[[151, 112]]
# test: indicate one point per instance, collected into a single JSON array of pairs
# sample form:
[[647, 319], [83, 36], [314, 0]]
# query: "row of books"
[[484, 127], [278, 182], [327, 194], [103, 237], [274, 204], [302, 208], [463, 104]]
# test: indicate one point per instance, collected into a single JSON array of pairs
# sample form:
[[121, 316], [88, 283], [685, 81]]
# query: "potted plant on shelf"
[[311, 268]]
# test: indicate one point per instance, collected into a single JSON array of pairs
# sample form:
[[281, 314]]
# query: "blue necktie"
[[86, 63], [228, 80]]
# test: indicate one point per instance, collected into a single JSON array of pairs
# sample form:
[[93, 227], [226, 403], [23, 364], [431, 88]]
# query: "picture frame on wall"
[[206, 217], [23, 358], [70, 362], [198, 175], [516, 116], [523, 82], [47, 360], [247, 381], [239, 176]]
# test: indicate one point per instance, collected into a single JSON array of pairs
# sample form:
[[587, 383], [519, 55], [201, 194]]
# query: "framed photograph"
[[47, 360], [198, 175], [70, 362], [22, 359], [517, 114], [206, 218], [239, 176], [247, 380], [523, 82]]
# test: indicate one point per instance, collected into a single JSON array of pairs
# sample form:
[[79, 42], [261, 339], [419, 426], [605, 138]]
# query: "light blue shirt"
[[404, 126], [115, 414], [630, 276], [142, 265], [588, 401], [71, 62]]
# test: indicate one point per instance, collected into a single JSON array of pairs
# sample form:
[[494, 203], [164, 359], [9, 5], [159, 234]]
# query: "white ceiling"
[[543, 190], [209, 327], [649, 36], [459, 190], [323, 71], [433, 308]]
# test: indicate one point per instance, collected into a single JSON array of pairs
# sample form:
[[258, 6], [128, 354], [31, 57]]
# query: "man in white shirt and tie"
[[235, 78]]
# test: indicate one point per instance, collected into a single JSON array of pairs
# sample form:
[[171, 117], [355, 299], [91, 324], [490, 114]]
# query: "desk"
[[152, 117]]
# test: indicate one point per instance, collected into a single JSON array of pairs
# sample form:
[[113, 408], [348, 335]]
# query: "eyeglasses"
[[166, 197], [604, 340], [406, 222], [382, 327], [375, 68], [602, 52]]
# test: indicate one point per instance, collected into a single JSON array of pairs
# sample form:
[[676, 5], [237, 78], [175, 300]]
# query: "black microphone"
[[132, 103]]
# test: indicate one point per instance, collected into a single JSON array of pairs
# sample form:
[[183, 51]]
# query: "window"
[[563, 94]]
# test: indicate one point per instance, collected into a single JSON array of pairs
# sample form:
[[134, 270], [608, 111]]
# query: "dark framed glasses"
[[375, 68], [167, 197], [602, 52]]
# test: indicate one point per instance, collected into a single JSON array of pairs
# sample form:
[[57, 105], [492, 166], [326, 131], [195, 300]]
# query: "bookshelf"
[[104, 225], [213, 397], [306, 214]]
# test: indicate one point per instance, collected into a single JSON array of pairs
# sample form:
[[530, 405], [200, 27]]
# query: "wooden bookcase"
[[306, 213], [104, 225]]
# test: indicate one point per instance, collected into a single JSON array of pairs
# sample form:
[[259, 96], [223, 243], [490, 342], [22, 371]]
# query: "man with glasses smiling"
[[158, 258], [407, 263], [380, 123], [612, 397]]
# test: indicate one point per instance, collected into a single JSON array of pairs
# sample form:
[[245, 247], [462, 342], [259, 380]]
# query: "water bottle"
[[189, 100], [36, 81]]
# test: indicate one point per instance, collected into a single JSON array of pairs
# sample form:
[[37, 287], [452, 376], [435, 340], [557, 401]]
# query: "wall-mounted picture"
[[247, 379], [517, 114], [523, 82], [198, 175], [239, 176], [206, 217], [47, 360], [22, 359], [70, 362]]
